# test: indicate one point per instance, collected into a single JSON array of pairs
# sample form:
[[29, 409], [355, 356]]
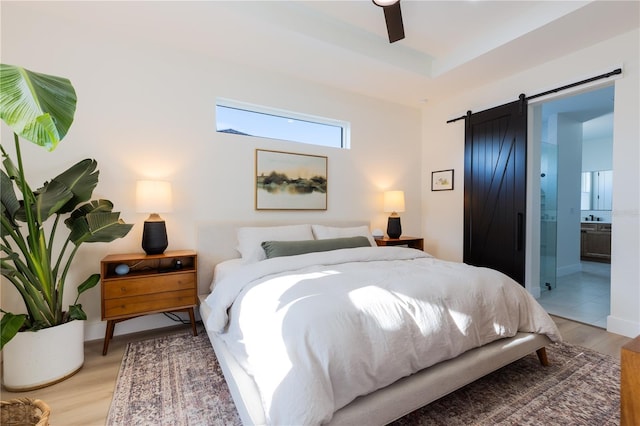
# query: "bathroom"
[[575, 192]]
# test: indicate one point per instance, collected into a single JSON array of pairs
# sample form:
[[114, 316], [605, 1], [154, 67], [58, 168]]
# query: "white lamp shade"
[[153, 196], [394, 201], [385, 3]]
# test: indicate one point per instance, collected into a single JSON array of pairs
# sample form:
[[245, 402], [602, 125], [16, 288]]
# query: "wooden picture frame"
[[442, 180], [290, 181]]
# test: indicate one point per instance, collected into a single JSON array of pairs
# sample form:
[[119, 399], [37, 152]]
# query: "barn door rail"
[[616, 71]]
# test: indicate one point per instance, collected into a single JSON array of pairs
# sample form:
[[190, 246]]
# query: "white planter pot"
[[34, 360]]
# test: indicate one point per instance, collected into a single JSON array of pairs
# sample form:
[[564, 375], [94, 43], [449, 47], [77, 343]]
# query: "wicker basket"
[[24, 412]]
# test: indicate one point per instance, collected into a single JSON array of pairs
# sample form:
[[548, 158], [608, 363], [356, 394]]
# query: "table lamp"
[[394, 203], [153, 197]]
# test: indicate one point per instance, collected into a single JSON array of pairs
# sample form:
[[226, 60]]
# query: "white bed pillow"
[[223, 269], [322, 232], [250, 239]]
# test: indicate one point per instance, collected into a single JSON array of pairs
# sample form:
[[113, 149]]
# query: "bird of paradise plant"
[[40, 108]]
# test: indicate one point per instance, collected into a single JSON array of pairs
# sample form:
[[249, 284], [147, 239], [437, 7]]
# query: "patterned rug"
[[176, 380]]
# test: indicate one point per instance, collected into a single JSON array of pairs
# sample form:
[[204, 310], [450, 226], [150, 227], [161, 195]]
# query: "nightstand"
[[413, 242], [630, 383], [152, 284]]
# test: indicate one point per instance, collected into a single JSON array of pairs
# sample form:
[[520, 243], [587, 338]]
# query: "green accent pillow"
[[292, 248]]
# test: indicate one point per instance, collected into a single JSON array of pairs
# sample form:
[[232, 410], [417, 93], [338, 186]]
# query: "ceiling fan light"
[[385, 3]]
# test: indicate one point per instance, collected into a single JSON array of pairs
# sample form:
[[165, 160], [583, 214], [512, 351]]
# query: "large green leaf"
[[89, 283], [106, 227], [37, 107], [64, 192], [81, 179], [92, 206], [94, 222], [13, 172], [10, 203], [9, 326], [76, 312], [50, 199]]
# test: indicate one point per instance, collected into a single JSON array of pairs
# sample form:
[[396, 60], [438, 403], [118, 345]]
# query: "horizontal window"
[[251, 120]]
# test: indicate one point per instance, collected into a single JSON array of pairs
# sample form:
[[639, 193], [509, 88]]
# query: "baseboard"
[[95, 330], [623, 327]]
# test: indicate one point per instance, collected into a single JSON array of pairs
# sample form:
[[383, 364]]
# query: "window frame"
[[282, 113]]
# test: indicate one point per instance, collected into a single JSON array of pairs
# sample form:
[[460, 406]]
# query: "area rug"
[[176, 380]]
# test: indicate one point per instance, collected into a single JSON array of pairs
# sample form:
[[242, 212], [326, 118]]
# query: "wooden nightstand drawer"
[[148, 303], [117, 288]]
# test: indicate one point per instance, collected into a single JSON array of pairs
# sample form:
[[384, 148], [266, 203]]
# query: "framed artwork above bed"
[[290, 181]]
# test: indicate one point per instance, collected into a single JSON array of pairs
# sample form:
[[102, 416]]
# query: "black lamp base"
[[154, 237], [394, 229]]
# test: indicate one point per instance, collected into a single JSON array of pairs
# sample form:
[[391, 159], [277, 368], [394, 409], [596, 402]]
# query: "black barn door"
[[494, 189]]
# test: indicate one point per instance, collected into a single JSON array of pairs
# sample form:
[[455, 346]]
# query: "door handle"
[[519, 231]]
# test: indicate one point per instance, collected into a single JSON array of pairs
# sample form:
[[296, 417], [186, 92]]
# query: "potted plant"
[[40, 108]]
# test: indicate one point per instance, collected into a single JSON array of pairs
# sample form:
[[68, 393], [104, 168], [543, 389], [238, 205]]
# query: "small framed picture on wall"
[[442, 180]]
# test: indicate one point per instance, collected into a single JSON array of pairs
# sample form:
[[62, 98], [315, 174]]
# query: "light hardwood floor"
[[84, 399]]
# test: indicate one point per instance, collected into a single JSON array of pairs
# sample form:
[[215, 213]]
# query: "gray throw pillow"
[[292, 248]]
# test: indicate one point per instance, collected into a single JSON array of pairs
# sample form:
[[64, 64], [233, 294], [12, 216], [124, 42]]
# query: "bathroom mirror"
[[596, 190]]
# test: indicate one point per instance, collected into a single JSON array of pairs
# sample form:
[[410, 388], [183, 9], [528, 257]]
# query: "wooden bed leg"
[[542, 356]]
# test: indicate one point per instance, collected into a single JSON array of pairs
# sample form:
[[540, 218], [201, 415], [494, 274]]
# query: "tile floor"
[[582, 296]]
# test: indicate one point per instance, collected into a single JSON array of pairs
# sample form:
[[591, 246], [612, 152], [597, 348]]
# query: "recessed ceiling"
[[450, 46]]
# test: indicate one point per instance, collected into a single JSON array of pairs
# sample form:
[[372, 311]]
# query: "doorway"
[[574, 148]]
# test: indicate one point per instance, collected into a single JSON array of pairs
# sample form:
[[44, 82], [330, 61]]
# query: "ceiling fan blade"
[[393, 17]]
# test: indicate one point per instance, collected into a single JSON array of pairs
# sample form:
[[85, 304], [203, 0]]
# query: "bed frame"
[[217, 242]]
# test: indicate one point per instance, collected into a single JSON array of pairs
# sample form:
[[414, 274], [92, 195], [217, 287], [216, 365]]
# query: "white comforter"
[[318, 330]]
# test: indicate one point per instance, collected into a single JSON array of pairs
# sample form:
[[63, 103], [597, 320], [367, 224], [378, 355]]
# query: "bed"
[[305, 373]]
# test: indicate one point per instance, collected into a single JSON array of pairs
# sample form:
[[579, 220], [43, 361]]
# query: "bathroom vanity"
[[595, 241]]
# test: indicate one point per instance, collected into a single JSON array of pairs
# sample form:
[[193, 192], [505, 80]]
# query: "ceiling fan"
[[393, 18]]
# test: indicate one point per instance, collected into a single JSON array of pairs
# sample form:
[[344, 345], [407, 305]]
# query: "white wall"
[[443, 147], [148, 111], [597, 154]]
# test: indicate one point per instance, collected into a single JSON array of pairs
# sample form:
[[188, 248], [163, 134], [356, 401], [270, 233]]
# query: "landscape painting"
[[289, 181]]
